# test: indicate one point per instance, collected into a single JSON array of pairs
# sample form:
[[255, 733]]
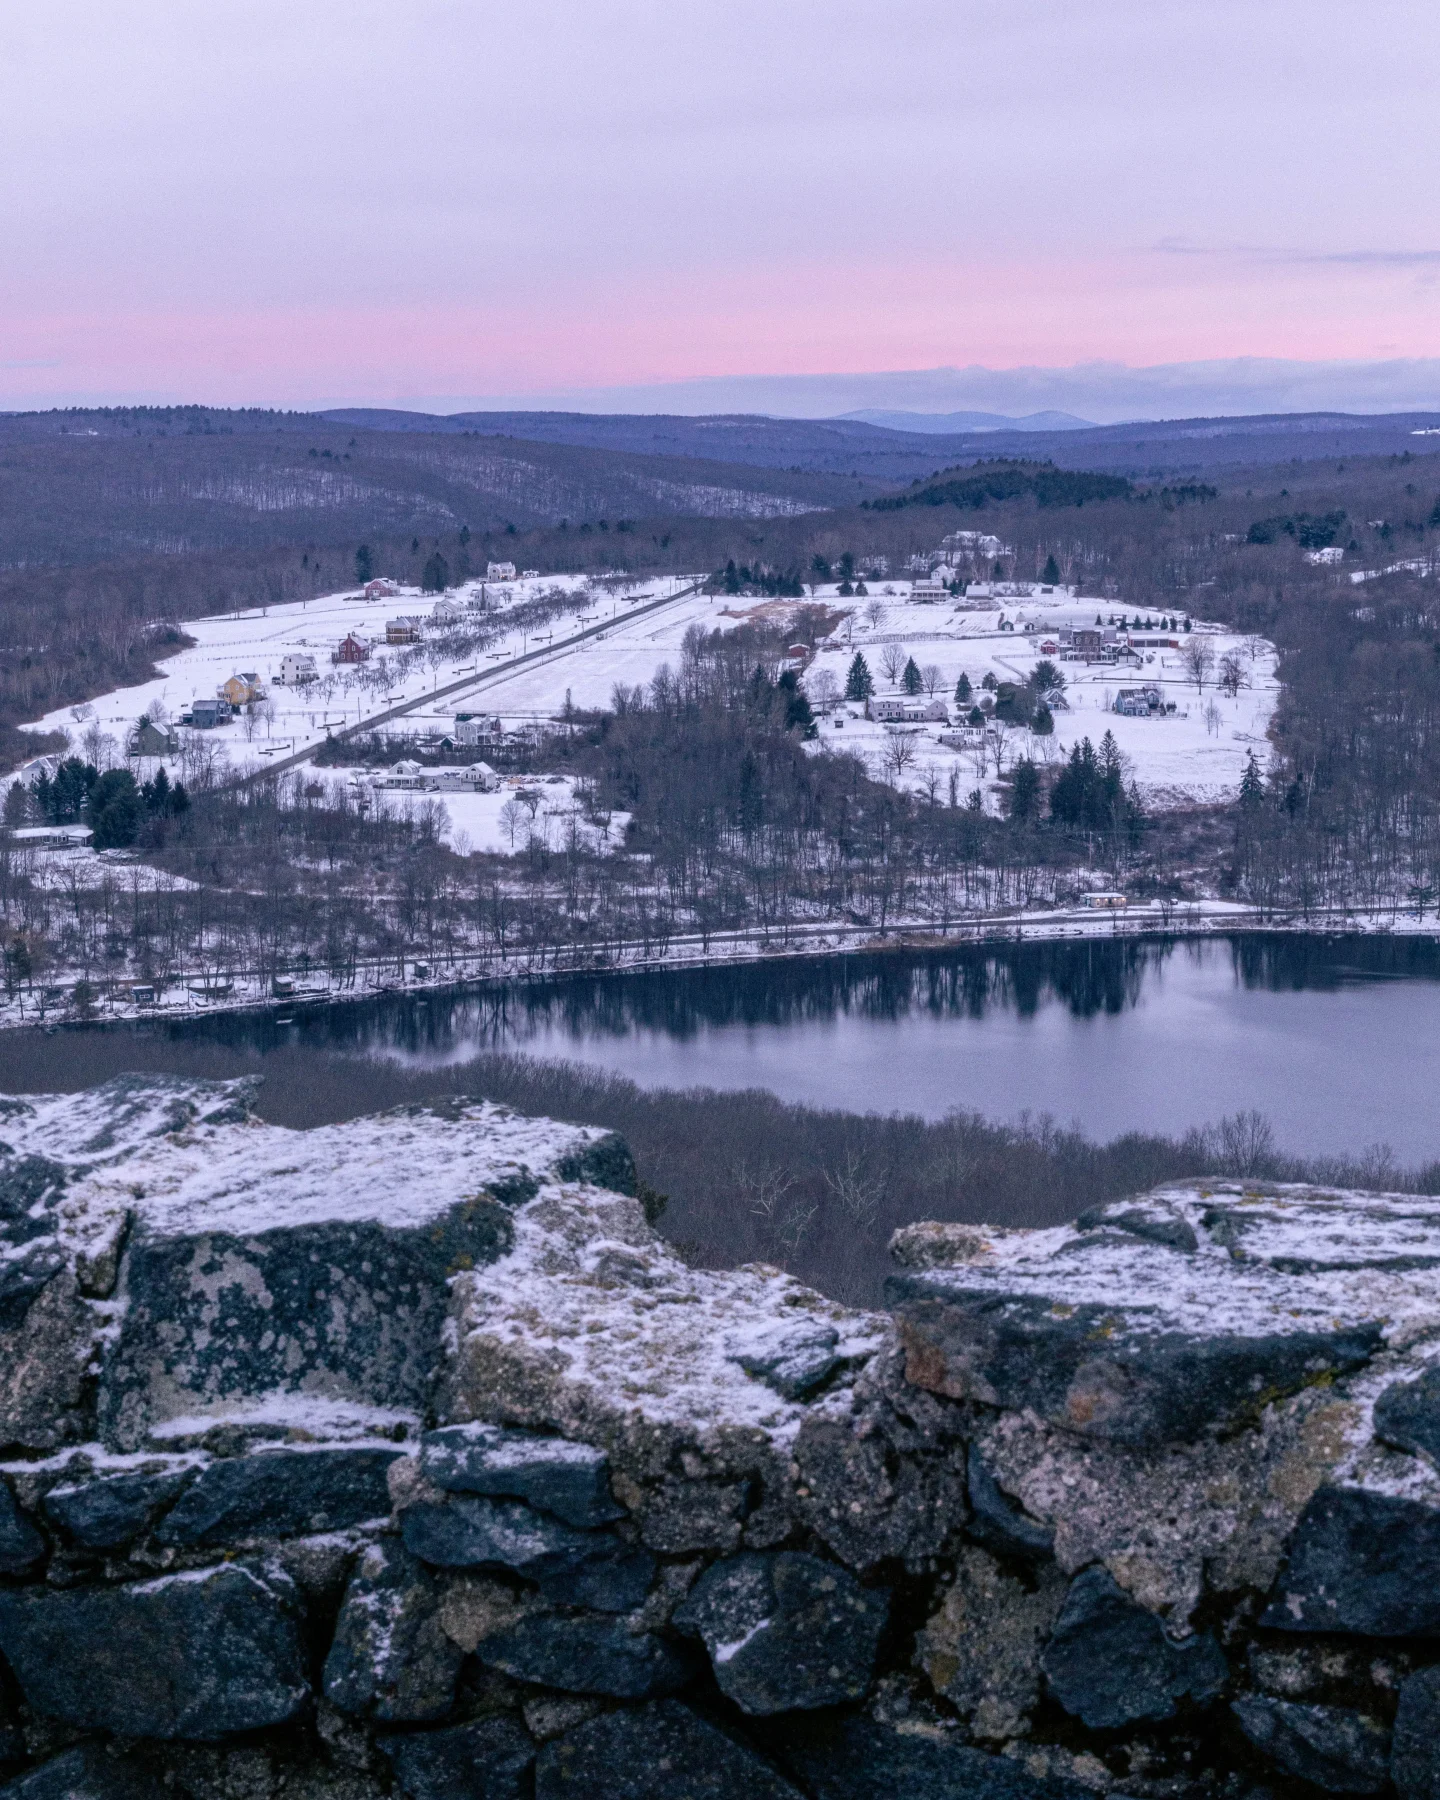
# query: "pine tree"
[[963, 690], [1051, 577], [1252, 785], [364, 565], [912, 680], [435, 577], [1025, 791], [859, 684]]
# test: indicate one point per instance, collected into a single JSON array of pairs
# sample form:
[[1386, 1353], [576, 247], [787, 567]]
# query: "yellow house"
[[240, 690]]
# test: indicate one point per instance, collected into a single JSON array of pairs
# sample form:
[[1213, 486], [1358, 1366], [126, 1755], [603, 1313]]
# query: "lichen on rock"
[[406, 1456]]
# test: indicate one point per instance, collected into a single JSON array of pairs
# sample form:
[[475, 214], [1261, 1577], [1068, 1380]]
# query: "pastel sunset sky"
[[441, 201]]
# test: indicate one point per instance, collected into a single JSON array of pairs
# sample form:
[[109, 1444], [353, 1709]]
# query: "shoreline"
[[1145, 920]]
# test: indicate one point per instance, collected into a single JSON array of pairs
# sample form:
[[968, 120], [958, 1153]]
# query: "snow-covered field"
[[1183, 755], [1196, 752], [295, 718], [520, 809]]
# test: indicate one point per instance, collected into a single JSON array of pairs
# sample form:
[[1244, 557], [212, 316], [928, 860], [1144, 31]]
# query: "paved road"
[[470, 684]]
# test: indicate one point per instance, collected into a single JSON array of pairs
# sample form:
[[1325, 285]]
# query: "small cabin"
[[1105, 902]]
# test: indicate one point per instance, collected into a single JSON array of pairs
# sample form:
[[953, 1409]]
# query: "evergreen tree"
[[845, 590], [1252, 785], [435, 577], [114, 810], [1025, 791], [859, 684], [963, 690], [912, 680], [364, 565], [797, 707], [1051, 577], [1043, 724]]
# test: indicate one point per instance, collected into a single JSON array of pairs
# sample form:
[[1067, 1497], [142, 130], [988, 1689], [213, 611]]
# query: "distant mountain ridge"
[[948, 424]]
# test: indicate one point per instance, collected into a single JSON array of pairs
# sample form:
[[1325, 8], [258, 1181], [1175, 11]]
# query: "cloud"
[[1275, 253]]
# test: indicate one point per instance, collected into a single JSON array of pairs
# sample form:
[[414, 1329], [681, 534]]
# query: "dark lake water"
[[1336, 1040]]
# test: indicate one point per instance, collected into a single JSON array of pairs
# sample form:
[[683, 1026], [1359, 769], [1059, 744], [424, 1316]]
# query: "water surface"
[[1337, 1040]]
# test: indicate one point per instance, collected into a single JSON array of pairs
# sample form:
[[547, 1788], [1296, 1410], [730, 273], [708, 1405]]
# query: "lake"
[[1336, 1040]]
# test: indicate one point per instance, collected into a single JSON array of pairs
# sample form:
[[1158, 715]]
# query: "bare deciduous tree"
[[1198, 659], [512, 815], [899, 754], [932, 677], [892, 660]]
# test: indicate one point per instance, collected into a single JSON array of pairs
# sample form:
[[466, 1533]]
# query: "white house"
[[469, 732], [296, 668], [930, 591], [500, 572], [907, 709]]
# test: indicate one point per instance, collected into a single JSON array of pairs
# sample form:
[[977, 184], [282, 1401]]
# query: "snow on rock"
[[592, 1321], [362, 1410]]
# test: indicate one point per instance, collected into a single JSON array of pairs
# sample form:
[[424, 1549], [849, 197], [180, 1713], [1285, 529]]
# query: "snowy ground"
[[1182, 756], [297, 717], [501, 821], [1196, 753], [630, 652]]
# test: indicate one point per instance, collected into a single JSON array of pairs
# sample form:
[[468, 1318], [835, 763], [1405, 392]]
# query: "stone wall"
[[404, 1458]]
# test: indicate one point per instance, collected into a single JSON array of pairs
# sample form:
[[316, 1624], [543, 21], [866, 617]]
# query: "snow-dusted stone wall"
[[403, 1457]]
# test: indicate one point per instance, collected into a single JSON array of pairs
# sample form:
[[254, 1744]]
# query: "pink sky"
[[374, 200]]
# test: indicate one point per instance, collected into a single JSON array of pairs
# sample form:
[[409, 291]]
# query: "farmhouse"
[[380, 590], [502, 571], [471, 731], [296, 668], [240, 690], [1139, 703], [206, 714], [929, 590], [903, 710], [407, 629], [351, 650], [972, 543], [149, 739]]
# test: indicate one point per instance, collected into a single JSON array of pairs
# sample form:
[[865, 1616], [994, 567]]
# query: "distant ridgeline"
[[1002, 480]]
